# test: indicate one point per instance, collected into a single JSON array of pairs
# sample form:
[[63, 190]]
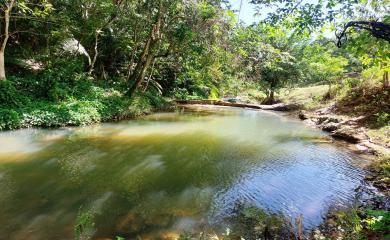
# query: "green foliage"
[[213, 93], [99, 105], [312, 15], [10, 96], [9, 119], [378, 220], [61, 79], [84, 225], [322, 63], [180, 93], [361, 223], [351, 83], [197, 50], [382, 118]]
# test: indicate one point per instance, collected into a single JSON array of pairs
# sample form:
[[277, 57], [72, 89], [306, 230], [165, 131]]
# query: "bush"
[[156, 100], [9, 119], [378, 220], [352, 82], [66, 96], [382, 118], [77, 112], [180, 93], [58, 84], [9, 96]]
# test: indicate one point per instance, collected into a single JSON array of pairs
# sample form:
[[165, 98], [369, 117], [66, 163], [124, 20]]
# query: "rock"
[[302, 115], [382, 184], [354, 121], [321, 119], [370, 177], [330, 127], [333, 120], [327, 110], [362, 148], [327, 119], [348, 134], [310, 122]]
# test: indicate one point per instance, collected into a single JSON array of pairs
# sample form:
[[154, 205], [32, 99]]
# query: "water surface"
[[168, 172]]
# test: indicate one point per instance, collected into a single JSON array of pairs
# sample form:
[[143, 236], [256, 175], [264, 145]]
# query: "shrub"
[[9, 119], [180, 93], [10, 96], [382, 118], [378, 220], [156, 100], [352, 82]]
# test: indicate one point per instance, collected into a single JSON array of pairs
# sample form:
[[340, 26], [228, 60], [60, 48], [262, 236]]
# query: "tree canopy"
[[56, 50]]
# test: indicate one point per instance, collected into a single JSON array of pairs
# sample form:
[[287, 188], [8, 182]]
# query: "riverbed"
[[171, 172]]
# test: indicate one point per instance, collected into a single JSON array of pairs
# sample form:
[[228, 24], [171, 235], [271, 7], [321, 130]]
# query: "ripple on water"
[[170, 172]]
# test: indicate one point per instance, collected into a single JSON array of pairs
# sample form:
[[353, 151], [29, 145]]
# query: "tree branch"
[[377, 29], [7, 13]]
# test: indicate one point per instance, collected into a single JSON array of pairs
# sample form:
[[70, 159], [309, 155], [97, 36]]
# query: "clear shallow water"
[[168, 172]]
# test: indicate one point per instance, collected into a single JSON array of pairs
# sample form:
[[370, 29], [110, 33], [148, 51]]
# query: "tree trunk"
[[2, 66], [328, 95], [140, 75], [92, 63], [271, 96], [271, 93], [150, 76], [147, 55], [130, 66], [7, 13], [386, 83]]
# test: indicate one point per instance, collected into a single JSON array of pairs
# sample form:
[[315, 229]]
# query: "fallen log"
[[274, 107], [218, 103]]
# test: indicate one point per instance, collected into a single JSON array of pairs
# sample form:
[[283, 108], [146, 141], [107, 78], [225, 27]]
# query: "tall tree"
[[14, 10], [6, 9]]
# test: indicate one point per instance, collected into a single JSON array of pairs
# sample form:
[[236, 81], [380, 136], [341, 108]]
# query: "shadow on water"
[[167, 174]]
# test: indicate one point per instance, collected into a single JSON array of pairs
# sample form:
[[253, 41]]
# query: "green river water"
[[168, 173]]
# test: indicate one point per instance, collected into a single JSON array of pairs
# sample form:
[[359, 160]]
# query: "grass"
[[381, 135], [308, 97]]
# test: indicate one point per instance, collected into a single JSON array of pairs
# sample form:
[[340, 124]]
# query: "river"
[[169, 172]]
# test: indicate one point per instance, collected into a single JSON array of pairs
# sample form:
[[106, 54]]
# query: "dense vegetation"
[[75, 62], [78, 62]]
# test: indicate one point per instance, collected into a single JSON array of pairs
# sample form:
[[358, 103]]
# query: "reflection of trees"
[[152, 177]]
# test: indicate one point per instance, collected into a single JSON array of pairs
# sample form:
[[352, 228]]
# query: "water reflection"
[[168, 172]]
